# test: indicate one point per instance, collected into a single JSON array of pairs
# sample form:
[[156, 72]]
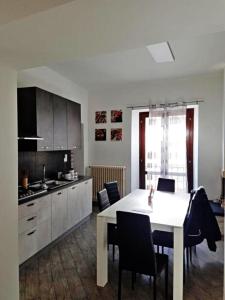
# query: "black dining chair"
[[136, 250], [200, 223], [103, 203], [112, 191], [166, 185]]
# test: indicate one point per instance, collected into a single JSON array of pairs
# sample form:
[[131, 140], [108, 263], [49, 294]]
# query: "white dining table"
[[167, 213]]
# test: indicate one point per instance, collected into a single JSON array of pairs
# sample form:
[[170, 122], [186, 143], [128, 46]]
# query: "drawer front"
[[27, 244], [28, 209], [27, 223]]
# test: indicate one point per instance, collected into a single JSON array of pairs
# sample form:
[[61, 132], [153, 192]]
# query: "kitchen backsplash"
[[32, 163]]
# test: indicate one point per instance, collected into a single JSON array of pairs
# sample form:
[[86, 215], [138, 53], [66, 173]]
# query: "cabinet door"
[[60, 123], [73, 125], [44, 107], [74, 205], [44, 234], [86, 200], [44, 222], [59, 213]]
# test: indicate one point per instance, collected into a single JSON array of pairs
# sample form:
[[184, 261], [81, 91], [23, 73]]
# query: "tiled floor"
[[67, 270]]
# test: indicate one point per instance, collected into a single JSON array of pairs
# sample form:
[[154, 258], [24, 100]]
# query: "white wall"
[[207, 87], [52, 81], [9, 282]]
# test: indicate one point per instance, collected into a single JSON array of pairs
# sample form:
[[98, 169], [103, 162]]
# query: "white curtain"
[[166, 146]]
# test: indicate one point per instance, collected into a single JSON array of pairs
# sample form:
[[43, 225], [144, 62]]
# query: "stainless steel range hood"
[[31, 138]]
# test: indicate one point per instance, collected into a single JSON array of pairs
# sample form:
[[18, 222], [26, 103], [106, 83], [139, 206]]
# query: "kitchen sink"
[[51, 184]]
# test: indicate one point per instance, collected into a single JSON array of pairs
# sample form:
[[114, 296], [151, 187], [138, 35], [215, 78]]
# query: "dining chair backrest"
[[103, 200], [136, 250], [166, 185], [113, 191]]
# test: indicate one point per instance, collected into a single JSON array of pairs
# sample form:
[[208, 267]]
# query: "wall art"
[[100, 134], [116, 116], [101, 116], [116, 134]]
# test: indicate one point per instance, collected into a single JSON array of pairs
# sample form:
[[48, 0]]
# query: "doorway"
[[166, 147]]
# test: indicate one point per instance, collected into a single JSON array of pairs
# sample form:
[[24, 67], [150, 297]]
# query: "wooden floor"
[[67, 270]]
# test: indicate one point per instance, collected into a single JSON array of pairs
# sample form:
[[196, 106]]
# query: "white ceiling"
[[87, 28], [192, 56], [11, 10]]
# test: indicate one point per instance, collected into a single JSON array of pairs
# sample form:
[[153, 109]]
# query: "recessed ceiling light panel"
[[161, 52]]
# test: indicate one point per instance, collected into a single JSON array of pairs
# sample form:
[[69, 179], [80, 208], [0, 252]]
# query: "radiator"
[[102, 174]]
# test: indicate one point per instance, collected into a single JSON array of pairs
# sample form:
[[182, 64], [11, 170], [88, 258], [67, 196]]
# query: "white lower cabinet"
[[86, 203], [59, 213], [45, 219], [34, 226], [74, 204]]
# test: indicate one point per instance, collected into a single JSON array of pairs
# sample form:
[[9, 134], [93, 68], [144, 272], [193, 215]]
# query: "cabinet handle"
[[74, 147], [30, 204], [86, 182], [59, 193], [73, 187], [32, 218], [31, 232]]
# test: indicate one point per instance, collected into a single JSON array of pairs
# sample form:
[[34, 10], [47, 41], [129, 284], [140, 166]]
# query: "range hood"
[[31, 138]]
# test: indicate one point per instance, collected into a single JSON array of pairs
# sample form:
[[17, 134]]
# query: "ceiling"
[[12, 10], [192, 56], [88, 28]]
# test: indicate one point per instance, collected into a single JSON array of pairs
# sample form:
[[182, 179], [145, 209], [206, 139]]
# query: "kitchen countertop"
[[70, 183]]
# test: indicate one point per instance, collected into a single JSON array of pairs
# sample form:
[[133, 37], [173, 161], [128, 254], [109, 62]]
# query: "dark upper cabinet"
[[51, 117], [73, 125], [44, 120], [60, 123], [35, 119]]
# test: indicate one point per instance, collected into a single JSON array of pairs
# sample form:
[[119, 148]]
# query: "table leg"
[[102, 252], [178, 263]]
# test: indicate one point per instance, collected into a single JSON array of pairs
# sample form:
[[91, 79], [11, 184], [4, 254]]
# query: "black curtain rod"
[[161, 105]]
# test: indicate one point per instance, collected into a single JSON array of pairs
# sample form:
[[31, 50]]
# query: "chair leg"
[[187, 257], [191, 254], [154, 288], [166, 281], [119, 284], [157, 248], [113, 252], [133, 275], [162, 250], [184, 270]]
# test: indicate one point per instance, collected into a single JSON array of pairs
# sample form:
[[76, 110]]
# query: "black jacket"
[[201, 222]]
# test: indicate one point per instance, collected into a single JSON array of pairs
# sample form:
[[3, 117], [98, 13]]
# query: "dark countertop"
[[70, 183]]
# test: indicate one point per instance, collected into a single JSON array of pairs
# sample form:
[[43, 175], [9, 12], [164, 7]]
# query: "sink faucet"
[[44, 185]]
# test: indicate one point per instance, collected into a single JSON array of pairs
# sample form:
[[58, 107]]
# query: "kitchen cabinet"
[[44, 224], [74, 205], [55, 119], [60, 123], [86, 203], [44, 120], [35, 119], [43, 220], [34, 226], [59, 213], [73, 125]]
